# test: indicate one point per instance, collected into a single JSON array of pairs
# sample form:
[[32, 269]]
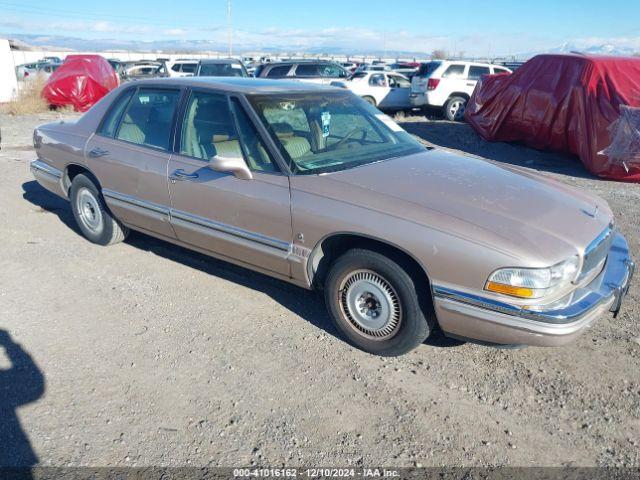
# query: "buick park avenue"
[[314, 186]]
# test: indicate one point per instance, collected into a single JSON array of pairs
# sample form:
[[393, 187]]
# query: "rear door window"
[[149, 118], [377, 80], [189, 67], [454, 71], [396, 81], [475, 72], [308, 70], [332, 71], [279, 71], [111, 120]]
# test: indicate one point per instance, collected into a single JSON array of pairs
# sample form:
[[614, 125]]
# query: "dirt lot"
[[147, 354]]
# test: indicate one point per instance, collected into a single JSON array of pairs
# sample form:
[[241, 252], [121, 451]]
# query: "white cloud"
[[175, 32], [354, 38]]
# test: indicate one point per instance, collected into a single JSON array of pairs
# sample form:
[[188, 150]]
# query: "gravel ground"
[[147, 354]]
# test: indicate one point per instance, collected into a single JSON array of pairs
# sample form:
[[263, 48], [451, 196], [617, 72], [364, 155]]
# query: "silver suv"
[[312, 71]]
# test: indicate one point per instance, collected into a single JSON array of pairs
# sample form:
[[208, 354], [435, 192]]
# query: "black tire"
[[416, 318], [95, 221], [370, 100], [454, 109]]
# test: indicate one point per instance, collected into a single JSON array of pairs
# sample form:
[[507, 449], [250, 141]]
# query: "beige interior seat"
[[130, 131], [295, 146], [227, 147]]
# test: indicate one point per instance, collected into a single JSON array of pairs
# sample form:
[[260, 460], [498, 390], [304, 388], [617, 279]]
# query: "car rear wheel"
[[370, 100], [93, 217], [454, 109], [375, 303]]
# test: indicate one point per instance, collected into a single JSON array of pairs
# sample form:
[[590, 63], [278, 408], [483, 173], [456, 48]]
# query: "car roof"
[[247, 85], [305, 60], [469, 62], [220, 60]]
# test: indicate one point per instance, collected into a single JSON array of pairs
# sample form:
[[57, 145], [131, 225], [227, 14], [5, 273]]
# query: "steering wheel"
[[349, 135]]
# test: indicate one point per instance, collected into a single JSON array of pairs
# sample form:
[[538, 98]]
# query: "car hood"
[[506, 208]]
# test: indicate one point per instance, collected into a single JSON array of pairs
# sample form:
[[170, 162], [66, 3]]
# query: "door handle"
[[471, 84], [180, 174], [98, 152]]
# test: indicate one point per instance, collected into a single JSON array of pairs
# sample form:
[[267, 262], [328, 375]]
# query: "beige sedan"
[[314, 186]]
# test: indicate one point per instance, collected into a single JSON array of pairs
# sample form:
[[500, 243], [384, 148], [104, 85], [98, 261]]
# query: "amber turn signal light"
[[521, 292]]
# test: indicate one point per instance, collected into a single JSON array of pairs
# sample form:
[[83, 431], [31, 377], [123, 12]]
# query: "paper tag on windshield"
[[326, 122], [236, 65], [386, 119]]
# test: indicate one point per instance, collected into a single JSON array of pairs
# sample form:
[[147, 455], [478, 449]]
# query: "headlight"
[[533, 282]]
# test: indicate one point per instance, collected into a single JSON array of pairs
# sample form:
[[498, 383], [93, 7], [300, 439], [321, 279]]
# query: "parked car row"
[[44, 67], [442, 84], [400, 86]]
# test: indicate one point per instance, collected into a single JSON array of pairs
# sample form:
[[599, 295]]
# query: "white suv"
[[448, 84], [182, 68]]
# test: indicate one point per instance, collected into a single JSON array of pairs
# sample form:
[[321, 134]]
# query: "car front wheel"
[[376, 304], [92, 215]]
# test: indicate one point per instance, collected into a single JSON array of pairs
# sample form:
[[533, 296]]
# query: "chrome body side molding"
[[153, 209], [49, 177], [231, 230], [38, 167], [131, 201]]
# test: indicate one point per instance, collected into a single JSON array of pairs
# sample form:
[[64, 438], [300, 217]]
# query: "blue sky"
[[487, 27]]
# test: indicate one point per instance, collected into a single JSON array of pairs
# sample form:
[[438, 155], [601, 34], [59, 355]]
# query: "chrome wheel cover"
[[370, 304], [456, 109], [89, 212]]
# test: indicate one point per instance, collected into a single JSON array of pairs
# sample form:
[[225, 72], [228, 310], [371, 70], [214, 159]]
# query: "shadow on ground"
[[460, 136], [21, 383], [304, 303]]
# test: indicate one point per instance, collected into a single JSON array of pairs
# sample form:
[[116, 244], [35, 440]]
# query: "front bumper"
[[473, 316]]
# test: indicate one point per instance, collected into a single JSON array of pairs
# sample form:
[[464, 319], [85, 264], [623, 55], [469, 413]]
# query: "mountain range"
[[60, 42]]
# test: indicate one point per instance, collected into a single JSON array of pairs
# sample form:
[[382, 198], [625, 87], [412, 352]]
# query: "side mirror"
[[234, 165]]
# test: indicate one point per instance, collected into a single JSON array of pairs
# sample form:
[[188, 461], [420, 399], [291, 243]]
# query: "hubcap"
[[370, 304], [457, 109], [89, 210]]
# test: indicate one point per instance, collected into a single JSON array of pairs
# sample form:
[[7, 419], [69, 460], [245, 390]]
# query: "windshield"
[[325, 132], [222, 70]]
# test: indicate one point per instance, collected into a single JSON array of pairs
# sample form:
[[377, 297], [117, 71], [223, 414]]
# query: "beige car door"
[[130, 153], [248, 221]]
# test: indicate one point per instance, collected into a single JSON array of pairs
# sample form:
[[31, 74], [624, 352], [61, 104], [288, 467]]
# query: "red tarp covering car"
[[584, 105], [80, 81]]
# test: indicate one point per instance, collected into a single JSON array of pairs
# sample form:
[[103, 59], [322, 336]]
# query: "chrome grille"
[[596, 253]]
